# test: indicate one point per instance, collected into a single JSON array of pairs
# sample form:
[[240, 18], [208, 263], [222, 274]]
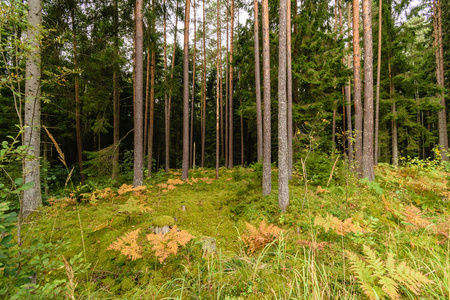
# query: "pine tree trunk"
[[377, 105], [203, 113], [283, 177], [230, 103], [357, 87], [442, 115], [368, 165], [185, 161], [191, 133], [218, 92], [152, 109], [32, 140], [348, 97], [259, 136], [289, 91], [77, 99], [242, 123], [138, 169], [169, 102], [267, 140], [166, 100], [394, 115], [116, 97], [227, 93], [147, 97]]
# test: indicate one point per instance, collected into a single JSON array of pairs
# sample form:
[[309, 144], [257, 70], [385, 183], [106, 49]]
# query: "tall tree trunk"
[[77, 98], [203, 112], [394, 115], [147, 97], [222, 139], [267, 140], [138, 177], [116, 96], [368, 165], [377, 105], [32, 139], [218, 91], [348, 97], [259, 137], [283, 177], [230, 94], [152, 99], [169, 102], [166, 100], [357, 87], [295, 98], [333, 122], [227, 91], [242, 123], [289, 91], [442, 115], [191, 133], [185, 162]]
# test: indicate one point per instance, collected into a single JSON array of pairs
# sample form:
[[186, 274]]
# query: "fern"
[[340, 227], [133, 205], [127, 245], [381, 279], [166, 244], [257, 238]]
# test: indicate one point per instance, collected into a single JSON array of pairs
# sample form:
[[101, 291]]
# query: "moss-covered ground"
[[403, 214]]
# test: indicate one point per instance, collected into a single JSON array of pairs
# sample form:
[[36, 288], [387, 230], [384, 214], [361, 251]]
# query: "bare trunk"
[[442, 115], [227, 93], [77, 100], [348, 97], [138, 177], [147, 94], [166, 100], [267, 142], [218, 91], [230, 103], [185, 162], [259, 137], [394, 115], [283, 177], [116, 97], [368, 164], [169, 102], [242, 125], [152, 112], [203, 112], [289, 91], [357, 87], [191, 133], [377, 105], [32, 140]]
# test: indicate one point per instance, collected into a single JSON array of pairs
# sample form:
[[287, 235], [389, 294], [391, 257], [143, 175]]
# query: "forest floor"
[[351, 240]]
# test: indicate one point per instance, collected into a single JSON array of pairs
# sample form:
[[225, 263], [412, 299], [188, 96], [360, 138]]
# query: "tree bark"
[[283, 178], [218, 91], [394, 116], [348, 97], [32, 140], [203, 112], [152, 106], [147, 97], [185, 161], [368, 165], [230, 103], [267, 140], [166, 100], [289, 91], [357, 87], [191, 133], [227, 91], [377, 105], [442, 115], [169, 102], [77, 98], [138, 177], [116, 96], [259, 136]]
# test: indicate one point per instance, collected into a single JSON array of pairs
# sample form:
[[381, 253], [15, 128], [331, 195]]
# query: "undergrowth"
[[349, 240]]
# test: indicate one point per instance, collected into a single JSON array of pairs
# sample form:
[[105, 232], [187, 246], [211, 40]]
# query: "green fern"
[[381, 279]]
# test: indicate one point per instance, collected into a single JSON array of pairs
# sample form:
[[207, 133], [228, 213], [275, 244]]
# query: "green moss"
[[162, 221]]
